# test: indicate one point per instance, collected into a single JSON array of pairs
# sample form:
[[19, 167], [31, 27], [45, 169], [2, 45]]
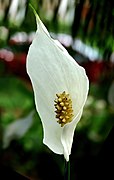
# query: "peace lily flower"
[[60, 87]]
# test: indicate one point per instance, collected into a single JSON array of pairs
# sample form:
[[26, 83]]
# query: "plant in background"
[[60, 87]]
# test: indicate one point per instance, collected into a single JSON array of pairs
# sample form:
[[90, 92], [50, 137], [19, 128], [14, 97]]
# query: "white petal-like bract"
[[52, 71]]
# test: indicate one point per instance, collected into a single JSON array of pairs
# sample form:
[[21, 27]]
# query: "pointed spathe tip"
[[34, 11], [38, 20]]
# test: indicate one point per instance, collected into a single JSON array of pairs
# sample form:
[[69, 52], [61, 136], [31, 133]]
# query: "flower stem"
[[67, 170]]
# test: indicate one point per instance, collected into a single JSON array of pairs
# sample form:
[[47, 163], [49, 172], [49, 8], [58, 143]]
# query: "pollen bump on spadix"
[[63, 106]]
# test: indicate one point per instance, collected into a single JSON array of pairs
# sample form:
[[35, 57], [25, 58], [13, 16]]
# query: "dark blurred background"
[[86, 30]]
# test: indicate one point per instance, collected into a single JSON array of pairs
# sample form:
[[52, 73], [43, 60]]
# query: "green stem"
[[67, 170]]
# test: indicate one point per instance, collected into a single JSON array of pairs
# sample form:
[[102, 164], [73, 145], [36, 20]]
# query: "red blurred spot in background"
[[94, 70]]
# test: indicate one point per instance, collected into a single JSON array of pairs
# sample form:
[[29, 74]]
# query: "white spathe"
[[52, 70]]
